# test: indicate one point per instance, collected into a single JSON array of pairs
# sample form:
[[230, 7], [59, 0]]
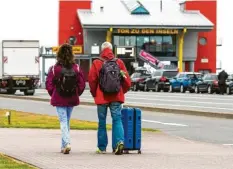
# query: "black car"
[[209, 83], [160, 80], [229, 85], [138, 79]]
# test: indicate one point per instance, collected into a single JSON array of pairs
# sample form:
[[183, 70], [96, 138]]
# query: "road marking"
[[177, 105], [188, 96], [166, 95], [227, 144], [42, 102], [168, 105], [174, 100], [169, 124], [171, 105], [160, 104], [175, 96]]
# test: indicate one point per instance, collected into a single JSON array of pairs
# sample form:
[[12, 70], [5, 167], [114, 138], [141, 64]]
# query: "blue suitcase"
[[131, 119]]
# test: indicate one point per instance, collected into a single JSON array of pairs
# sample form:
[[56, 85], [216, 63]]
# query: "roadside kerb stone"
[[145, 108]]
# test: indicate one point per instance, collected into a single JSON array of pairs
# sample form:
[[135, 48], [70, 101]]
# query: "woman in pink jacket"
[[65, 83]]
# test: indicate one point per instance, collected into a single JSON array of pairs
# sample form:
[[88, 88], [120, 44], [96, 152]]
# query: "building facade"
[[182, 34]]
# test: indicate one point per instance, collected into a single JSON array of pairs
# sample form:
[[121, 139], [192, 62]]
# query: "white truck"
[[19, 66]]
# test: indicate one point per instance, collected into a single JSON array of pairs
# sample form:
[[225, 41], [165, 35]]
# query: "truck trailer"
[[19, 66]]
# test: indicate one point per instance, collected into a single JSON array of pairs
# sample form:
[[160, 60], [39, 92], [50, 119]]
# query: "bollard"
[[8, 115]]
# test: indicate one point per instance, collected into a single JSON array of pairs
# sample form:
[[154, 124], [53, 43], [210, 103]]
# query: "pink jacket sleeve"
[[49, 81]]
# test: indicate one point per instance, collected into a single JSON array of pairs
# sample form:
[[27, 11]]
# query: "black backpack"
[[109, 77], [67, 82]]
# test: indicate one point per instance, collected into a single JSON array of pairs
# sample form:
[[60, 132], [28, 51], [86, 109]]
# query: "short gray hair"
[[106, 45]]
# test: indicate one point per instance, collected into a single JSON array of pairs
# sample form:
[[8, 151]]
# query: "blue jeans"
[[64, 114], [117, 126]]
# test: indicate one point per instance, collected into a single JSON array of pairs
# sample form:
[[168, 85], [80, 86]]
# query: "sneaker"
[[119, 148], [98, 151], [66, 150]]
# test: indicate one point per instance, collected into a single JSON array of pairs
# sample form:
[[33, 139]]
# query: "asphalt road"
[[186, 101], [212, 130]]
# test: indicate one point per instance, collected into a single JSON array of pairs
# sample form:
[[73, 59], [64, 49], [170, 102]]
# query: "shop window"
[[167, 44], [121, 41], [116, 40], [141, 40], [133, 40], [130, 40], [156, 44], [159, 45], [127, 41]]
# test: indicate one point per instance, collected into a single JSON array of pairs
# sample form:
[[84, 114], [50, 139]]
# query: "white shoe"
[[66, 150]]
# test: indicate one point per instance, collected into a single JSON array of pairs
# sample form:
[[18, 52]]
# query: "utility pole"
[[161, 5]]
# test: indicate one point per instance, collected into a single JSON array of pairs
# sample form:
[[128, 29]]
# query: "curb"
[[151, 109]]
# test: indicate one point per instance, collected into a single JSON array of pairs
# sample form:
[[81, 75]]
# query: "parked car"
[[209, 83], [160, 80], [138, 78], [184, 81], [229, 83]]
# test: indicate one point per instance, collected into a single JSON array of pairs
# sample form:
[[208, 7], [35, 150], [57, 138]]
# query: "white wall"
[[225, 32]]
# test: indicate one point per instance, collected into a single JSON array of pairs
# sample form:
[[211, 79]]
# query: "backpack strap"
[[103, 60], [114, 59], [53, 70]]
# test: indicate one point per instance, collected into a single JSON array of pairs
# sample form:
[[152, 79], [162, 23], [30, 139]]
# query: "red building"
[[206, 52], [93, 22]]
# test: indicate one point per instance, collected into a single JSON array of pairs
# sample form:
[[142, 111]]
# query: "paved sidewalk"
[[160, 151]]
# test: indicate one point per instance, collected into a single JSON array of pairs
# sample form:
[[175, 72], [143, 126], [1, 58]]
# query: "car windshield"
[[135, 75], [230, 77], [190, 75], [170, 74], [214, 77], [199, 75], [210, 77]]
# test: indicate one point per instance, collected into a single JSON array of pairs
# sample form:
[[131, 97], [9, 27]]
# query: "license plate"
[[20, 82]]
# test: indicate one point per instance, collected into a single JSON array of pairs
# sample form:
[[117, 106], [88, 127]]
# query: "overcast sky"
[[38, 19]]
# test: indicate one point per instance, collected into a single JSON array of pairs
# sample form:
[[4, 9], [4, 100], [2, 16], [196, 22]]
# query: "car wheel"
[[182, 90], [228, 90], [27, 93], [210, 90], [11, 91], [166, 90], [135, 88], [157, 88], [171, 89], [145, 88], [197, 89]]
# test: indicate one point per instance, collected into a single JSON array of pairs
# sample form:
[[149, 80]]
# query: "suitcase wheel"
[[139, 152]]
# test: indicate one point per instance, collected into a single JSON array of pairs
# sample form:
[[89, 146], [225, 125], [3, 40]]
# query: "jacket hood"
[[107, 54]]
